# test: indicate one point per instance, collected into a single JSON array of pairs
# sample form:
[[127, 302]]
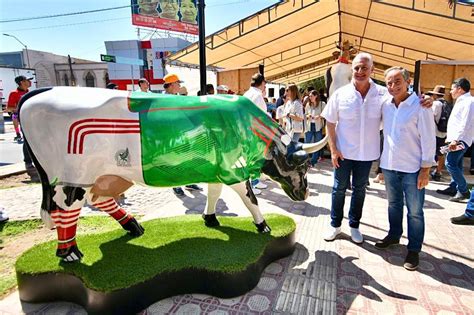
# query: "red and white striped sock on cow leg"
[[66, 225], [127, 221], [110, 206]]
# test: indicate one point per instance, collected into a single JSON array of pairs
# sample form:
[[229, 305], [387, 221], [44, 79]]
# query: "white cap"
[[223, 88]]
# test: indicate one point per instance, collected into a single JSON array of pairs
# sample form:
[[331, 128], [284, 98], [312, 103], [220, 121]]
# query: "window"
[[90, 81], [66, 80]]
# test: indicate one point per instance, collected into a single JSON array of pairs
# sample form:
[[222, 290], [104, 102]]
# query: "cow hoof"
[[134, 228], [210, 220], [70, 254], [263, 227]]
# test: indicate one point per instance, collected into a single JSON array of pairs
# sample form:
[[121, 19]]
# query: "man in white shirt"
[[408, 153], [144, 85], [460, 133], [353, 115], [256, 93]]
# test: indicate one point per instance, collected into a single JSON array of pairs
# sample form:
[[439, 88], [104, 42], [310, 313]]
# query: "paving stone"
[[320, 277]]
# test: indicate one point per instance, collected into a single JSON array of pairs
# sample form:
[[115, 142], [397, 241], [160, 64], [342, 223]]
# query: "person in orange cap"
[[172, 86]]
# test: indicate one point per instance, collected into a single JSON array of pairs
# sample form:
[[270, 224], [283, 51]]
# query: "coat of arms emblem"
[[123, 158]]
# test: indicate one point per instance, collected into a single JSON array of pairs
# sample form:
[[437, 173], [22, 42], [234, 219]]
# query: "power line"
[[225, 4], [62, 25], [63, 14], [98, 10]]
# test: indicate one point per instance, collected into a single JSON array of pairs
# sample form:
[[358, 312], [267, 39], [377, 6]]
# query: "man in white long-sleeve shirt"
[[255, 93], [459, 133], [408, 154]]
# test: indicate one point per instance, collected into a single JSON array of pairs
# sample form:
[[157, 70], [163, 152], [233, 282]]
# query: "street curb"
[[12, 169]]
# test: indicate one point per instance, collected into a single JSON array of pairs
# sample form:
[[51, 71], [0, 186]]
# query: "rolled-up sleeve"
[[330, 112], [426, 128]]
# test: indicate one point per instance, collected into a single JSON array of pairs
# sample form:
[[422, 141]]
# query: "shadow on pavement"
[[350, 280], [444, 270], [285, 203], [197, 204]]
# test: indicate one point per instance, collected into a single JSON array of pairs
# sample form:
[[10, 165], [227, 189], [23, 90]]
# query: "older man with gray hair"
[[353, 114], [408, 153]]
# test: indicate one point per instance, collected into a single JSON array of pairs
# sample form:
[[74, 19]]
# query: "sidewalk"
[[320, 277], [12, 169]]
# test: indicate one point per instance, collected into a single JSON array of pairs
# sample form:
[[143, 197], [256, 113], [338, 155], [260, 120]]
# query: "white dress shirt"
[[357, 121], [409, 136], [461, 120], [256, 96]]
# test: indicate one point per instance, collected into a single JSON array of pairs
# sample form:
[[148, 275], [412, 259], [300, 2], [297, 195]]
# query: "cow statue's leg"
[[69, 201], [126, 220], [244, 190], [209, 215]]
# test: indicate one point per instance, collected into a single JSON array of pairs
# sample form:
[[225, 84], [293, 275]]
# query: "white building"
[[54, 70]]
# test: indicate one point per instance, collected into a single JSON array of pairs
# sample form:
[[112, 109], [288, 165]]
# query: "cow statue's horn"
[[313, 147]]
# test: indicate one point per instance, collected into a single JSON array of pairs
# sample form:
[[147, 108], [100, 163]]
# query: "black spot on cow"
[[250, 193], [73, 194]]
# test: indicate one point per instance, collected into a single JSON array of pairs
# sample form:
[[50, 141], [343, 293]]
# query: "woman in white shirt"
[[295, 114], [314, 122]]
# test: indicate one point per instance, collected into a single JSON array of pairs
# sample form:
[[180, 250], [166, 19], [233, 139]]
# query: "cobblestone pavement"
[[320, 277]]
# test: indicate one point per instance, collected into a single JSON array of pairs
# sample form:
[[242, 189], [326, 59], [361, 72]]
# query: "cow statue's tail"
[[47, 203]]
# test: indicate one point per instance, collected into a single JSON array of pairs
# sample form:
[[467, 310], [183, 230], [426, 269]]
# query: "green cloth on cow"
[[212, 139]]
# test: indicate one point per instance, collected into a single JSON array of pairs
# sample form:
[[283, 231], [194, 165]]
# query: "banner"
[[173, 15]]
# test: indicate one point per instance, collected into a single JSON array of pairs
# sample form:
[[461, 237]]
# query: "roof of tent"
[[295, 39]]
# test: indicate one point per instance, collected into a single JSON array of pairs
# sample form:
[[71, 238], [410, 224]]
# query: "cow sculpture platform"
[[90, 145]]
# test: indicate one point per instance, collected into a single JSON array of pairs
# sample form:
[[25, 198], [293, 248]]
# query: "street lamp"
[[26, 48]]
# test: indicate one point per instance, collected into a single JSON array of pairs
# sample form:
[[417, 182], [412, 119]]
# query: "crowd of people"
[[414, 132], [418, 137]]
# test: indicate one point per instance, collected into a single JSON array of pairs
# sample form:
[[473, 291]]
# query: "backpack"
[[445, 112]]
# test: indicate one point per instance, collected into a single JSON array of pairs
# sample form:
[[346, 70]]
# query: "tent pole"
[[202, 46]]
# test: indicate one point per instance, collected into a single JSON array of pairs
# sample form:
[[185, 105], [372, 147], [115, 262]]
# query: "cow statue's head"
[[286, 163]]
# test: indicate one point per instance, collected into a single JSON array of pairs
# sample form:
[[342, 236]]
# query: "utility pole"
[[73, 79], [26, 48], [202, 46]]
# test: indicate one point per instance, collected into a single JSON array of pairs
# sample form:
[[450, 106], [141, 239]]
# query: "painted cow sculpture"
[[340, 74], [90, 145]]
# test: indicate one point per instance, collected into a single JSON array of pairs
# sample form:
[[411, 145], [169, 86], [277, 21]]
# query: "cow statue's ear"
[[299, 157]]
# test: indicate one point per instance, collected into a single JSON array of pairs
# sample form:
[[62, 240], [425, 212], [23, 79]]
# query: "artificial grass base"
[[121, 274]]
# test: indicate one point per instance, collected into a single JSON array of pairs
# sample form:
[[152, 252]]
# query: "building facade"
[[54, 70]]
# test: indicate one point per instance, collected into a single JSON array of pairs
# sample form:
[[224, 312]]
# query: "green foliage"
[[318, 83], [115, 260], [12, 228], [89, 224], [11, 231], [6, 283]]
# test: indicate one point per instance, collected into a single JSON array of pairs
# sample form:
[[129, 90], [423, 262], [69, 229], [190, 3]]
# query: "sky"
[[83, 35]]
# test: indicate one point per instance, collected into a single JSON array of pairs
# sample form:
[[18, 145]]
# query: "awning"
[[295, 40]]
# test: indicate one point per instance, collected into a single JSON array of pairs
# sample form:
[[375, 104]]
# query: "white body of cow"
[[73, 149], [341, 75]]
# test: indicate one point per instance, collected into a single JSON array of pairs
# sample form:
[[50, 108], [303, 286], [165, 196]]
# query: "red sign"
[[173, 15]]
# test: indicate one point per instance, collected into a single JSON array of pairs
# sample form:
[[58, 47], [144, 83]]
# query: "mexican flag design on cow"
[[206, 138]]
